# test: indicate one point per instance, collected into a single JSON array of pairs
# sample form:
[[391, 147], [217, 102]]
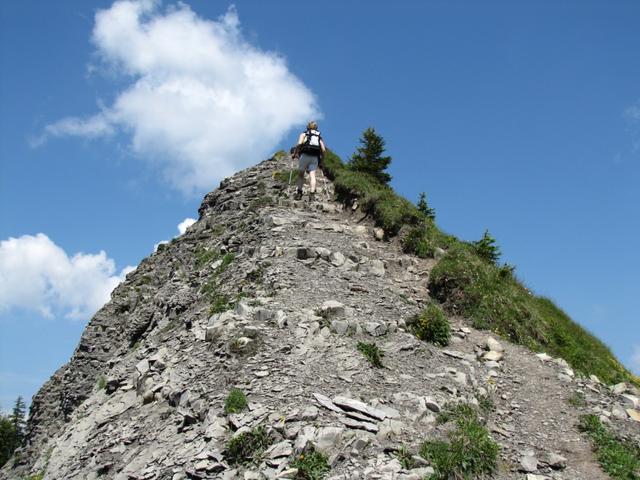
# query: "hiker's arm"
[[301, 139], [322, 146]]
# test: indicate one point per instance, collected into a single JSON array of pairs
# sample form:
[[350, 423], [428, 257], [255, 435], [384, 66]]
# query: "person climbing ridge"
[[310, 151]]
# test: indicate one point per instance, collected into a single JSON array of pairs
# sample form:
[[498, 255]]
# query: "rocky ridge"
[[271, 296]]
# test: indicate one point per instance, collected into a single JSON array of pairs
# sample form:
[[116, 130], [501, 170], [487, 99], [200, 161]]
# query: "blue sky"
[[115, 119]]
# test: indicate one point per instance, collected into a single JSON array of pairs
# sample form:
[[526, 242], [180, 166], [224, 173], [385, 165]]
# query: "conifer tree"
[[8, 442], [487, 248], [424, 208], [368, 157], [17, 418]]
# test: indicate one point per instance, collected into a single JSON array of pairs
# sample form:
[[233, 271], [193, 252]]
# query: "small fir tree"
[[424, 208], [368, 157], [8, 440], [487, 248], [17, 418]]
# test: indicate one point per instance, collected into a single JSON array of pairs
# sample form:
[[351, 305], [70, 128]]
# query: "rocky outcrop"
[[271, 297]]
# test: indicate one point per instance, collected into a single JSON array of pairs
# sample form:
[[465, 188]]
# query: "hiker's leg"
[[302, 166], [312, 181], [313, 166], [300, 180]]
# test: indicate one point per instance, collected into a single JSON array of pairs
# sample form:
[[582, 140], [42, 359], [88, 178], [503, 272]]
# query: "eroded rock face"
[[272, 296]]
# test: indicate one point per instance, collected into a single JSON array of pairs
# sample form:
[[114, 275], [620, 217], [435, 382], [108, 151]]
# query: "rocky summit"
[[272, 341]]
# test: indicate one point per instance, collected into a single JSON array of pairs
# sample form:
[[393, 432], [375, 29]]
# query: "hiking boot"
[[297, 195], [312, 196]]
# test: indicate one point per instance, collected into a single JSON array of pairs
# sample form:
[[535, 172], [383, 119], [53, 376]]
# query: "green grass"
[[470, 452], [431, 325], [236, 401], [372, 353], [493, 299], [226, 260], [311, 465], [455, 412], [405, 457], [205, 257], [618, 458], [260, 202], [248, 447], [577, 399], [279, 154], [101, 384], [283, 176], [467, 281], [423, 239]]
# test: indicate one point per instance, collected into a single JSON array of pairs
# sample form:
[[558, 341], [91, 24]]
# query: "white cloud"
[[202, 102], [186, 223], [182, 228], [36, 274], [635, 359]]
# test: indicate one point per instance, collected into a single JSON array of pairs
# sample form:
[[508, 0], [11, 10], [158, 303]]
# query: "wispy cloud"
[[202, 101], [36, 274], [632, 115]]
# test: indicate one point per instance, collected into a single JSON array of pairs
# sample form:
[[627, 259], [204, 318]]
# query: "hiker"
[[310, 151]]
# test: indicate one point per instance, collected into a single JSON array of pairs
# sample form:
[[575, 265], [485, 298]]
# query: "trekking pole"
[[290, 175], [324, 182]]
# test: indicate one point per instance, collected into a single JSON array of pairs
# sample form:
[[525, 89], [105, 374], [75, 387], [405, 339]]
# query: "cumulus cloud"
[[201, 102], [36, 274], [182, 228], [186, 223]]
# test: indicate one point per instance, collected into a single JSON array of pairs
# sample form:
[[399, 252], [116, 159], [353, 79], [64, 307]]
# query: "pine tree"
[[8, 441], [368, 157], [487, 248], [17, 418], [424, 208]]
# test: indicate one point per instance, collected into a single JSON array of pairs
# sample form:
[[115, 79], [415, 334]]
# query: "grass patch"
[[423, 239], [282, 176], [311, 465], [372, 353], [101, 384], [493, 299], [260, 202], [469, 453], [577, 399], [618, 458], [219, 303], [236, 401], [248, 447], [468, 282], [455, 412], [405, 457], [204, 256], [279, 154], [431, 325], [226, 260]]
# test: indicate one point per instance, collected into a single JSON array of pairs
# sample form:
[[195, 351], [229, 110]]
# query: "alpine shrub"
[[470, 453], [372, 353], [248, 446], [236, 401], [431, 325], [311, 465]]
